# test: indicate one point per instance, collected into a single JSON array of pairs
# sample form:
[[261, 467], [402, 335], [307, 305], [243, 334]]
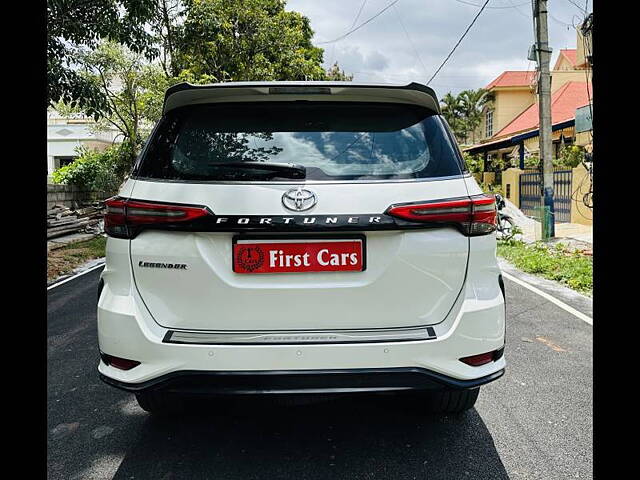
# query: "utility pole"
[[544, 105]]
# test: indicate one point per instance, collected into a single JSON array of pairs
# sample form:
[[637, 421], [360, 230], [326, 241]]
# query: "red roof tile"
[[512, 78], [564, 102]]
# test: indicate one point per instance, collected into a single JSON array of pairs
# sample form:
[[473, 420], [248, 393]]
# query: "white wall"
[[64, 139]]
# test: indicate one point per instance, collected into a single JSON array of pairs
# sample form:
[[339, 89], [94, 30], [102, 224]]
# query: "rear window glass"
[[332, 141]]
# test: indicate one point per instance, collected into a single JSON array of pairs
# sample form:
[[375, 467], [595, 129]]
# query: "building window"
[[489, 123], [63, 161]]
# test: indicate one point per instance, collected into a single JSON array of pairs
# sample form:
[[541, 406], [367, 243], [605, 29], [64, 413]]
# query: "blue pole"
[[550, 218]]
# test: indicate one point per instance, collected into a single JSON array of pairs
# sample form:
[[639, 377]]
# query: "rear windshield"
[[332, 141]]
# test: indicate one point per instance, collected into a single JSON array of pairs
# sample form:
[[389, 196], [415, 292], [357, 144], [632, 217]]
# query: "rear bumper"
[[305, 381], [474, 325]]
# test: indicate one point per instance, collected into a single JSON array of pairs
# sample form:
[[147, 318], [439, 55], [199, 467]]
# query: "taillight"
[[473, 215], [124, 218]]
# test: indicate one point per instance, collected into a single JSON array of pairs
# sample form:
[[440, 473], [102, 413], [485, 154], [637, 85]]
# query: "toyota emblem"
[[299, 199]]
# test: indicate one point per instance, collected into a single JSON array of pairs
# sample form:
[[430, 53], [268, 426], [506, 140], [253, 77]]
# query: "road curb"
[[90, 266], [579, 305]]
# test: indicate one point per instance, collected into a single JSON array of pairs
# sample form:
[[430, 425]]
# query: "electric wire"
[[370, 19], [333, 49], [413, 46], [459, 41], [496, 7]]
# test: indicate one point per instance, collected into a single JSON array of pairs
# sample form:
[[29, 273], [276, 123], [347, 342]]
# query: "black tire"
[[158, 403], [450, 401]]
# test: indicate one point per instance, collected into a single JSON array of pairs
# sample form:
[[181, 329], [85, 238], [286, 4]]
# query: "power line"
[[361, 25], [495, 8], [517, 9], [413, 46], [583, 10], [364, 2], [333, 49], [458, 43]]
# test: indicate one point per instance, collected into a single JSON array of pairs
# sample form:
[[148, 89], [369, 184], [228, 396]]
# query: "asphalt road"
[[535, 422]]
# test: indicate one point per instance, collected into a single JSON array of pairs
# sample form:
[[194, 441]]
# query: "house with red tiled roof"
[[564, 102], [567, 59], [508, 130]]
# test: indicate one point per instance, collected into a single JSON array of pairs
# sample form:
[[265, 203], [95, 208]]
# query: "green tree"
[[464, 112], [134, 92], [570, 156], [472, 103], [167, 14], [336, 73], [240, 40], [451, 108], [93, 170], [74, 25]]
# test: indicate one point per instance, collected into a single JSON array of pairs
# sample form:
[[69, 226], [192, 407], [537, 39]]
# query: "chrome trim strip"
[[301, 182], [302, 337]]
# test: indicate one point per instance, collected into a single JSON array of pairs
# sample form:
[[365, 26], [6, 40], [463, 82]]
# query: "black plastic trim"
[[100, 287], [180, 87], [301, 381]]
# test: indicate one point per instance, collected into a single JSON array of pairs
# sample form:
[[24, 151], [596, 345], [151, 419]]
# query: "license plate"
[[297, 256]]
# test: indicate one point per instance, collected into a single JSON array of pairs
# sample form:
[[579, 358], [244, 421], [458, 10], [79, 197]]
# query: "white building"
[[66, 134]]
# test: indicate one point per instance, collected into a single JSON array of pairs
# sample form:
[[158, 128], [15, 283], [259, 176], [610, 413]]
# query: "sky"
[[409, 40]]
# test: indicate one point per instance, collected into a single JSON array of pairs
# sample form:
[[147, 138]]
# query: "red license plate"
[[285, 256]]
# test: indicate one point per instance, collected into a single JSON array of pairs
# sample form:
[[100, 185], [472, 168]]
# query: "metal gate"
[[531, 194]]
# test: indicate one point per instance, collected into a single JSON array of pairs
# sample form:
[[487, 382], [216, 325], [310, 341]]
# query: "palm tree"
[[451, 108], [472, 103]]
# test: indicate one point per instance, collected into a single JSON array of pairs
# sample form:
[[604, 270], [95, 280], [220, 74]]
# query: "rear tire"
[[450, 401], [157, 403]]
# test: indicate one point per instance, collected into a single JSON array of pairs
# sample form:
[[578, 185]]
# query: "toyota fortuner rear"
[[301, 237]]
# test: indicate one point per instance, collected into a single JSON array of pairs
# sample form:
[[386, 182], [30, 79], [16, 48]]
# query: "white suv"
[[301, 237]]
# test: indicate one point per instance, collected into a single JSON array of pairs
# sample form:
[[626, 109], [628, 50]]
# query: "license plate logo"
[[266, 256]]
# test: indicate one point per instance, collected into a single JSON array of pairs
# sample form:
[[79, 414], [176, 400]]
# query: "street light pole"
[[544, 106]]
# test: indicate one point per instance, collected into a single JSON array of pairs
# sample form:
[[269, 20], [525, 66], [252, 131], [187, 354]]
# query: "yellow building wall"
[[559, 78], [583, 138], [508, 104], [562, 64], [511, 185], [580, 213], [580, 53], [489, 178]]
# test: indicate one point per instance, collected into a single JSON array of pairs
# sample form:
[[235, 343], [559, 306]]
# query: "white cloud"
[[381, 52]]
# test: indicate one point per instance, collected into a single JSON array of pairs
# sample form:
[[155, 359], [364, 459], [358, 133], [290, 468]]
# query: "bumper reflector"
[[482, 358], [119, 363]]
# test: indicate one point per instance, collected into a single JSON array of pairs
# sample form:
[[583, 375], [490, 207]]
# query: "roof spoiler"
[[183, 94]]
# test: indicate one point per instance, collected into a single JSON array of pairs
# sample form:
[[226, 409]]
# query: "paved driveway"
[[535, 422]]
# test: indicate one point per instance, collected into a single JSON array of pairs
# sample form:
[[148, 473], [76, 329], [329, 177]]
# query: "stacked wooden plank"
[[62, 220]]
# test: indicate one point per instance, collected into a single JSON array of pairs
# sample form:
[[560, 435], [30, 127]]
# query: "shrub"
[[491, 188], [93, 170], [474, 162], [556, 263], [570, 156]]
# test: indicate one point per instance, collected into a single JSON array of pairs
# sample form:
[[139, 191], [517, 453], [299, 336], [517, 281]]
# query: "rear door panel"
[[412, 277]]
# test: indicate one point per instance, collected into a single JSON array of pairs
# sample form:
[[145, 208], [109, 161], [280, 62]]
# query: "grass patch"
[[558, 263], [63, 260]]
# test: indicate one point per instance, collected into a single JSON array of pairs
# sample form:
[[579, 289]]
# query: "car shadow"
[[348, 437]]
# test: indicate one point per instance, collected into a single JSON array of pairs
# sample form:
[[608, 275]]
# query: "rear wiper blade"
[[288, 170]]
